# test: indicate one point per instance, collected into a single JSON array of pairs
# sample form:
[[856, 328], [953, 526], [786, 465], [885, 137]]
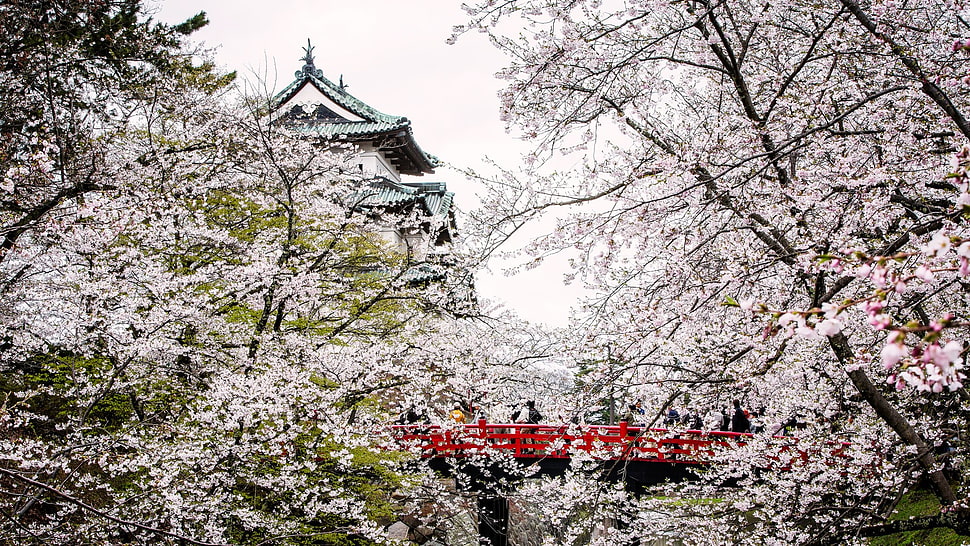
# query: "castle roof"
[[432, 199], [315, 106]]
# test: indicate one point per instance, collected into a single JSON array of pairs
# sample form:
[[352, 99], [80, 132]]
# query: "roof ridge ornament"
[[308, 66]]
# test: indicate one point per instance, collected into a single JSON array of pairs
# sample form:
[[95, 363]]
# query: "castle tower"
[[388, 158]]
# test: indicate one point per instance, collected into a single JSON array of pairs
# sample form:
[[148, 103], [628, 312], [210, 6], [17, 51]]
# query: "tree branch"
[[928, 87], [93, 510]]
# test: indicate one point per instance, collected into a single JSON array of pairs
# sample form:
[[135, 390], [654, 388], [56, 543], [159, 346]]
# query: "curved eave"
[[422, 162], [405, 154], [350, 130], [385, 195], [396, 142], [433, 198]]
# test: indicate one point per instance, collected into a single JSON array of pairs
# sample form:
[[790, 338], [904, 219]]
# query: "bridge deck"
[[621, 442]]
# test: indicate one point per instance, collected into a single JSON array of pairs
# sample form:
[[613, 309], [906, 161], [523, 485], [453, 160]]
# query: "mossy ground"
[[914, 504]]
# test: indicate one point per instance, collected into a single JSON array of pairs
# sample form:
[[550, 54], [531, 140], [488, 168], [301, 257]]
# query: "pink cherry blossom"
[[829, 327], [892, 353]]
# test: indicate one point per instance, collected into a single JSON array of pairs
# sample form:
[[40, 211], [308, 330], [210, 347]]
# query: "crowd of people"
[[736, 419], [733, 419], [464, 412]]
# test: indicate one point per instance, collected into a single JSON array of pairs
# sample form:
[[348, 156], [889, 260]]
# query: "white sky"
[[393, 56]]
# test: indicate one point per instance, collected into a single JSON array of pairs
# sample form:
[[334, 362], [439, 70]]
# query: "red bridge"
[[639, 456], [521, 441]]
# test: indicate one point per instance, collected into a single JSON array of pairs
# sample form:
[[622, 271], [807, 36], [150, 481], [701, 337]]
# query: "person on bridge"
[[477, 413], [691, 419], [673, 417], [757, 426], [635, 415], [457, 415], [740, 422], [409, 417], [725, 424], [532, 415]]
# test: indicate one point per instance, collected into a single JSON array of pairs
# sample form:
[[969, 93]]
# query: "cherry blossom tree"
[[202, 342], [764, 199]]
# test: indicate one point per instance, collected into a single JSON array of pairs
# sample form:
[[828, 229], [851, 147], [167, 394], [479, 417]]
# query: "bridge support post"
[[493, 519]]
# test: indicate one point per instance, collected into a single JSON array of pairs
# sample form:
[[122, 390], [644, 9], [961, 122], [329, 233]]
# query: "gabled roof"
[[425, 272], [432, 198], [335, 114]]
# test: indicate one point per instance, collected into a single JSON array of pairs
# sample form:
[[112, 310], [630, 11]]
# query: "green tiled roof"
[[433, 197], [408, 156], [350, 129], [376, 121], [439, 203], [424, 273]]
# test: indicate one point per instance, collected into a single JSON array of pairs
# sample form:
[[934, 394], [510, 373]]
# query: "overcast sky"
[[393, 56]]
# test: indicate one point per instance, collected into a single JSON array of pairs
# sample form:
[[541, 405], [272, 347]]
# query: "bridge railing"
[[525, 441]]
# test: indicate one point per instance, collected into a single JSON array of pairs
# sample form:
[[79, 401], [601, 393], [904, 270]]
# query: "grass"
[[915, 504]]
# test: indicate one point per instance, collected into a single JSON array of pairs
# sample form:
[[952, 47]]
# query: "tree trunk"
[[899, 424]]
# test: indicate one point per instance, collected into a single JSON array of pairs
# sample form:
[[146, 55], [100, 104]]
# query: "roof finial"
[[308, 58], [308, 68]]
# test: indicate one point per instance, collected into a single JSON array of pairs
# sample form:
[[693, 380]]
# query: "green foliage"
[[241, 216], [914, 504], [192, 24], [106, 97], [368, 478], [323, 382], [49, 385], [70, 389], [112, 410], [115, 43]]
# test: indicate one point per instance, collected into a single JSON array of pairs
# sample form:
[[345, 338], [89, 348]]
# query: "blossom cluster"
[[917, 354]]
